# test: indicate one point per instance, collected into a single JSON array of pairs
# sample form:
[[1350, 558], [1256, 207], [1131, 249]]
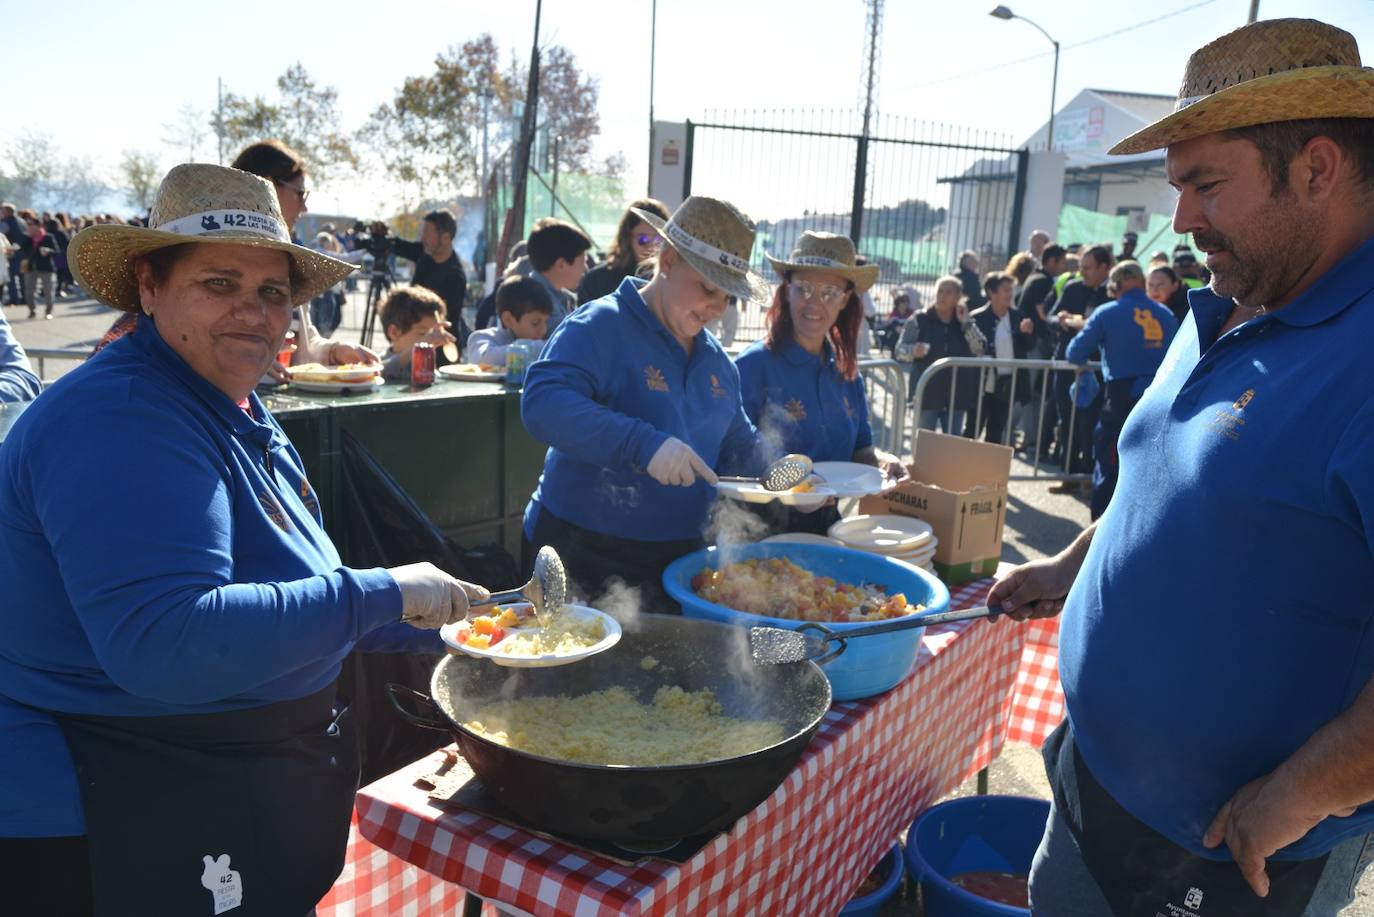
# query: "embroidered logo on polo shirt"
[[795, 410], [1152, 329], [653, 379], [312, 505], [1228, 422], [718, 390], [273, 509]]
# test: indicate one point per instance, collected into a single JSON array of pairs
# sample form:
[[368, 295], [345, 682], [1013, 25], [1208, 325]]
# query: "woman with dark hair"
[[635, 242], [800, 384], [1166, 288], [174, 629], [285, 169]]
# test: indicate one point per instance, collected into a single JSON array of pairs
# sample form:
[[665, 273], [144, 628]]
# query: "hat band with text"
[[818, 261], [212, 221], [682, 239]]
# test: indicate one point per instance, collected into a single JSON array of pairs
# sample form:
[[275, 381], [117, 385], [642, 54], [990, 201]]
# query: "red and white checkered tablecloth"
[[872, 766], [1037, 702]]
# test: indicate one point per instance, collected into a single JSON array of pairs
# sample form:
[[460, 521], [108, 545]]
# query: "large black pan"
[[634, 805]]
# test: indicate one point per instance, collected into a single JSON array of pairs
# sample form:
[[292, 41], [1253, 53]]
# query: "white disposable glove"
[[676, 463], [430, 598]]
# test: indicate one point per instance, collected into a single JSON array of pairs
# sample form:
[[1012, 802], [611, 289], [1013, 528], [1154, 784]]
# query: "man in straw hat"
[[174, 614], [1216, 650]]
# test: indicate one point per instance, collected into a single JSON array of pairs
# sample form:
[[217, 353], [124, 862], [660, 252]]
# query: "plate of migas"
[[852, 479], [805, 495], [472, 372]]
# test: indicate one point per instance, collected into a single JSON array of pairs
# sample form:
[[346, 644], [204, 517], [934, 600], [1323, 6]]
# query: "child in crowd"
[[523, 309], [411, 314]]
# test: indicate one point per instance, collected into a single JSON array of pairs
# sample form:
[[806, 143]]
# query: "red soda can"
[[288, 347], [422, 364]]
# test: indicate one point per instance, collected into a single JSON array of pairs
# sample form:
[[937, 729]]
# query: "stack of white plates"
[[898, 537]]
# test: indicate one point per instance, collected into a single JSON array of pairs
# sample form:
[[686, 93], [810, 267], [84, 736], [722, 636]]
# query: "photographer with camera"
[[437, 265]]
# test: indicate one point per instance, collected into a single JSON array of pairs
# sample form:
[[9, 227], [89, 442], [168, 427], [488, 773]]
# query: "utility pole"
[[219, 120], [515, 216], [873, 27], [653, 54], [553, 189], [487, 222]]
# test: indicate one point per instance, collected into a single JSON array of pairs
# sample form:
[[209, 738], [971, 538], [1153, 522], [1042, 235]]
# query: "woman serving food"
[[801, 384], [640, 406], [172, 740]]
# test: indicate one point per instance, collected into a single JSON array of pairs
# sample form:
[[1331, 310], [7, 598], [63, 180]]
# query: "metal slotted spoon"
[[779, 646], [784, 474], [547, 589]]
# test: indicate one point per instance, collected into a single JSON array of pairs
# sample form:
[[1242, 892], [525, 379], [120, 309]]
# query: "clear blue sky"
[[102, 77]]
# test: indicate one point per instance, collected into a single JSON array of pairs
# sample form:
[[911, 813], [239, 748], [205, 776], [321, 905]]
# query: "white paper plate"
[[337, 388], [467, 375], [914, 557], [330, 372], [884, 534], [803, 538], [757, 493], [851, 479], [449, 634]]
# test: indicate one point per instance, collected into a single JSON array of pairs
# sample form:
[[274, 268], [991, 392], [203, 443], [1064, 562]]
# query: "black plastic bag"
[[382, 526]]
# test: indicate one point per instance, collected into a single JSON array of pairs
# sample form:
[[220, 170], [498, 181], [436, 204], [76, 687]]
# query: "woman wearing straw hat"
[[801, 384], [640, 405], [173, 632]]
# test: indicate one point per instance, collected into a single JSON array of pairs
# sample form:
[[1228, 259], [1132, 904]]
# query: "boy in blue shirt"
[[1133, 333], [524, 314]]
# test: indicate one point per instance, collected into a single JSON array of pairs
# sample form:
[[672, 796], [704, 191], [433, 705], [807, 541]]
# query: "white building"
[[1078, 172]]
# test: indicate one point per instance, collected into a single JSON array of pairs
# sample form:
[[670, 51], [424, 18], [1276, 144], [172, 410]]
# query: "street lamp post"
[[1003, 12]]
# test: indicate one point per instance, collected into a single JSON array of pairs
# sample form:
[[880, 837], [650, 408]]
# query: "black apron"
[[245, 812], [1144, 874], [594, 560]]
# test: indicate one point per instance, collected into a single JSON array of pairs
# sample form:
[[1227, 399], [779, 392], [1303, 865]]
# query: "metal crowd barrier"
[[888, 377], [988, 366], [41, 355]]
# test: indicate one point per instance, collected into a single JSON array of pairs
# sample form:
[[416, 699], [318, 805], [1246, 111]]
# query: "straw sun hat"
[[1279, 70], [828, 251], [715, 240], [196, 203]]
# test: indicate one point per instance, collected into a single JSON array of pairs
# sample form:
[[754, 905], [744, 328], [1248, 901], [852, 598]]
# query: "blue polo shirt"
[[801, 403], [1132, 332], [1223, 611], [161, 553], [611, 386]]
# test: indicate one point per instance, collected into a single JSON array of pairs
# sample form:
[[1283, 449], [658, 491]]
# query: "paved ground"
[[1039, 523]]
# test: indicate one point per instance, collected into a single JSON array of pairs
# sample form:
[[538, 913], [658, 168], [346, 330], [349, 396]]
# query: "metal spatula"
[[778, 645], [547, 589], [784, 474]]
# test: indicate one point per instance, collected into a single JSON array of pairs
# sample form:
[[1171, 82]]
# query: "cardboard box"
[[959, 486]]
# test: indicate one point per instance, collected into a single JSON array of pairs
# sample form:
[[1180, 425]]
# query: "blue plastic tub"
[[975, 833], [869, 665], [868, 905]]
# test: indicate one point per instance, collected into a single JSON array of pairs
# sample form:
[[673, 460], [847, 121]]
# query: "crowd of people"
[[1039, 307]]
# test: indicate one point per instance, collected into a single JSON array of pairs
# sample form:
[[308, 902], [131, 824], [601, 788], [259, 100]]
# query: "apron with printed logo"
[[245, 812]]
